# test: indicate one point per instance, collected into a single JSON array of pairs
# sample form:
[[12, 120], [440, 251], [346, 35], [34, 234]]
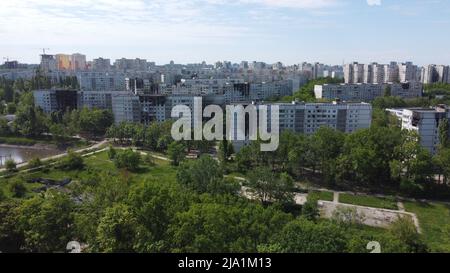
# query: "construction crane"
[[44, 49]]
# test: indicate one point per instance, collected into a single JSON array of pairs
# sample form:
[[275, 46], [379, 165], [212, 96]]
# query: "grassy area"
[[434, 220], [322, 195], [369, 201], [96, 163]]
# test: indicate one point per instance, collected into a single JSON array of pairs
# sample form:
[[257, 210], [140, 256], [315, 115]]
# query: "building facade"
[[425, 122], [367, 92]]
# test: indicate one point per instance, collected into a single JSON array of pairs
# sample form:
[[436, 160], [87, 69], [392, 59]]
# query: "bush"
[[73, 161], [310, 209], [17, 188], [127, 159], [112, 152], [149, 160], [2, 195], [10, 165], [35, 163]]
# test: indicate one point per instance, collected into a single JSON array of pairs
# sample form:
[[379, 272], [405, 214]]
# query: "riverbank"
[[37, 146]]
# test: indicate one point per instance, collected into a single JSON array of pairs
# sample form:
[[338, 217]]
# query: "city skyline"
[[212, 30]]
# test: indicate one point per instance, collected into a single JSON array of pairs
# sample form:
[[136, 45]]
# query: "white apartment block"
[[367, 92], [436, 74], [307, 118], [424, 121], [381, 73]]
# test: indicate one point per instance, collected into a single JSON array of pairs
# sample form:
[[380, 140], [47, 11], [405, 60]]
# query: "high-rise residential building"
[[391, 72], [435, 74], [126, 107], [63, 61], [131, 64], [55, 100], [48, 63], [378, 73], [77, 62], [408, 72], [354, 73], [367, 92], [424, 121], [101, 64]]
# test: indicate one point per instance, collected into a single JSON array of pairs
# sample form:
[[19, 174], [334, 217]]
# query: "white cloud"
[[301, 4], [374, 2]]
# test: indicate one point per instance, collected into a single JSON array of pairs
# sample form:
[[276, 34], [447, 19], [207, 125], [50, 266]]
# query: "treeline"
[[199, 212], [380, 159], [155, 137]]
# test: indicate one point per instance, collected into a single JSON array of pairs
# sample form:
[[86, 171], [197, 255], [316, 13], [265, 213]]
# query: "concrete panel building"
[[424, 121], [367, 92]]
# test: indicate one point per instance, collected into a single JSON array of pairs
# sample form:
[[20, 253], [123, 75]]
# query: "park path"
[[335, 197]]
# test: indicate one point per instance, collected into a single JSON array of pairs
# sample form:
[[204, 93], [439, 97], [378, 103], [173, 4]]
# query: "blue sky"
[[291, 31]]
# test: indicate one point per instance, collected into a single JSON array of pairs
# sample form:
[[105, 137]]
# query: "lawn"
[[162, 170], [368, 201], [322, 195], [434, 220]]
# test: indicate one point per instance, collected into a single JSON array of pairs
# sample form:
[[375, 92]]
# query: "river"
[[22, 154]]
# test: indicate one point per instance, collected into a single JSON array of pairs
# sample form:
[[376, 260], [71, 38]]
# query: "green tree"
[[35, 162], [73, 161], [387, 91], [11, 238], [205, 176], [117, 229], [112, 152], [156, 204], [95, 122], [310, 210], [17, 188], [443, 133], [46, 222], [127, 159], [10, 165], [176, 152], [405, 230], [30, 122], [268, 187], [303, 236]]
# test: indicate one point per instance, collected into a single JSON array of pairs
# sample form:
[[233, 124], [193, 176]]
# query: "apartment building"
[[381, 73], [307, 118], [424, 121], [247, 92], [101, 64], [126, 107], [78, 62], [436, 74], [101, 81], [55, 100], [367, 92]]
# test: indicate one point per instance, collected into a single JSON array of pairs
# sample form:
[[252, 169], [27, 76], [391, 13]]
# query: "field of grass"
[[368, 201], [322, 195], [434, 220], [162, 170]]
